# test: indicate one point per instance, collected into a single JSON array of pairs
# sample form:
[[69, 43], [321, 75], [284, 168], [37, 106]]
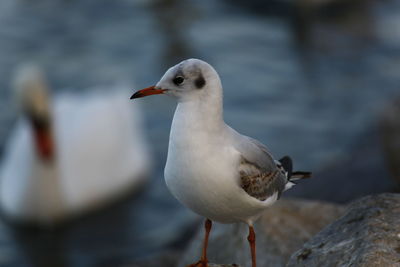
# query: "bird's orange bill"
[[147, 91]]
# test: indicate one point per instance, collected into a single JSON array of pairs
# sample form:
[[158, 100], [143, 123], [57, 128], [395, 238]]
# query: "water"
[[307, 87]]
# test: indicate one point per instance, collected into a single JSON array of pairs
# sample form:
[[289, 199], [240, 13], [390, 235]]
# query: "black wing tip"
[[285, 158], [287, 164]]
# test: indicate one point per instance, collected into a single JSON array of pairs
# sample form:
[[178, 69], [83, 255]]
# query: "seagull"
[[211, 168], [70, 153]]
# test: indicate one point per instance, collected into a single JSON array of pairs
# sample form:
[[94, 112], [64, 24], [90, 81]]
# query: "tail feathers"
[[298, 175], [287, 165]]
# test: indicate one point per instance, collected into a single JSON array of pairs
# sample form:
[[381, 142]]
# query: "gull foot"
[[200, 263]]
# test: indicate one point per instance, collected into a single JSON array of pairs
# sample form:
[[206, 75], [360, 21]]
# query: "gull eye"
[[178, 80]]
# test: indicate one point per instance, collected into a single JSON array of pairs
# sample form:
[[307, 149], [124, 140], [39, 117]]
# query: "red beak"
[[147, 91]]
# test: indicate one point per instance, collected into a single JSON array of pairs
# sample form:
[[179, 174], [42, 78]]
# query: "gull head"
[[191, 79]]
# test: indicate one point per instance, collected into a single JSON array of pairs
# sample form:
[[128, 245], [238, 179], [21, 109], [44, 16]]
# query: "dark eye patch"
[[178, 80], [200, 81]]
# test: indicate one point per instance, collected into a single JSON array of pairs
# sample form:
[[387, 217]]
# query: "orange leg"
[[252, 240], [203, 262]]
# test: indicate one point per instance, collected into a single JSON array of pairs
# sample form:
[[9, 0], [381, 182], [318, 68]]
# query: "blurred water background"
[[307, 78]]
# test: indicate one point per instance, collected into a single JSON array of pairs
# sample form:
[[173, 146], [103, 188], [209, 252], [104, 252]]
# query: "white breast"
[[201, 172]]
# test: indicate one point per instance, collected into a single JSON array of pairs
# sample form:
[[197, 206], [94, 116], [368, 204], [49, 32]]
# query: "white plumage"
[[212, 169], [202, 169]]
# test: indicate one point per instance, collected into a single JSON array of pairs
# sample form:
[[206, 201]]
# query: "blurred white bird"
[[69, 154]]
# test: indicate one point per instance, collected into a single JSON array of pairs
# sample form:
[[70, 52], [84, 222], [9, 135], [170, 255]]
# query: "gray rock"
[[367, 235], [223, 265], [282, 229]]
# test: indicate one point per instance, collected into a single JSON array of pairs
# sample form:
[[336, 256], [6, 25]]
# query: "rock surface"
[[223, 265], [282, 229], [367, 235]]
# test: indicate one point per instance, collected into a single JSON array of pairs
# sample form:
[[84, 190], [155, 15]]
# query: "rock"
[[367, 235], [223, 265], [282, 229], [390, 135]]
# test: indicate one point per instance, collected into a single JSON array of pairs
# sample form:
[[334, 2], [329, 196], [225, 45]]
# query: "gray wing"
[[259, 175]]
